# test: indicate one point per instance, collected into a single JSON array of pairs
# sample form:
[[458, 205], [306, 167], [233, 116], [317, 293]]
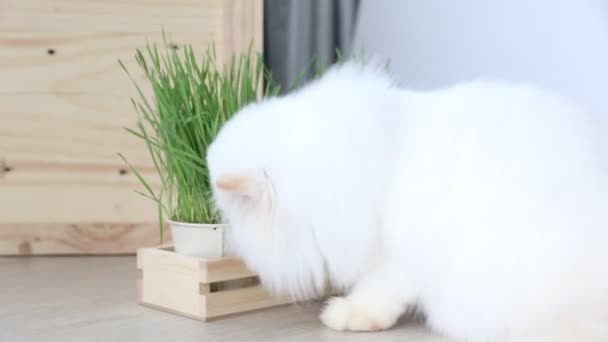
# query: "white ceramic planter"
[[198, 240]]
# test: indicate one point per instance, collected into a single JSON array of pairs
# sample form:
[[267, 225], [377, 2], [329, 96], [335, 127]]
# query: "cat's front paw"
[[342, 315]]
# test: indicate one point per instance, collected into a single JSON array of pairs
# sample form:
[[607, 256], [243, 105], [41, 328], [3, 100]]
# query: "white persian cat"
[[484, 205]]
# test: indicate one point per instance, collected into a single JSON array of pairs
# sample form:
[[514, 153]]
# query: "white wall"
[[561, 44]]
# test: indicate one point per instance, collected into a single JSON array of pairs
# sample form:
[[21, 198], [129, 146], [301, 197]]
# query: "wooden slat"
[[236, 301], [85, 59], [223, 269], [82, 62], [68, 129], [63, 160], [108, 15], [169, 280], [78, 203], [166, 258], [243, 23], [70, 238]]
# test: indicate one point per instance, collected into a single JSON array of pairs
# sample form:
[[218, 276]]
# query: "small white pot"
[[198, 240]]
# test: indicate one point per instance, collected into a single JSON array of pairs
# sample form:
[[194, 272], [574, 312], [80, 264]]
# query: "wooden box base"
[[202, 289]]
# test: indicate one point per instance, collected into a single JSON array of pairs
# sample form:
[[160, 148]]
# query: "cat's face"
[[241, 187], [248, 173]]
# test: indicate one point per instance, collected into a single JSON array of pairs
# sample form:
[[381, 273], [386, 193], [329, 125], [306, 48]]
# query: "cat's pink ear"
[[250, 185], [233, 183]]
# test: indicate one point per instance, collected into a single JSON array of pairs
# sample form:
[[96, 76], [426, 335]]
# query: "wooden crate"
[[202, 289], [64, 101]]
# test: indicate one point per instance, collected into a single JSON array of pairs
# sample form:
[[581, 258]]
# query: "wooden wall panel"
[[84, 62], [64, 102], [76, 238], [111, 15]]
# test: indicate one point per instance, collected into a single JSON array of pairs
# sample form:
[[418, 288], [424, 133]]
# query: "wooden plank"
[[63, 160], [108, 15], [223, 269], [70, 238], [170, 281], [85, 59], [76, 203], [81, 62], [166, 249], [75, 133], [237, 301], [243, 25], [163, 258]]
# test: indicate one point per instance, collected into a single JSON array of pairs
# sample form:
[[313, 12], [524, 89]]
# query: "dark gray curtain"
[[296, 31]]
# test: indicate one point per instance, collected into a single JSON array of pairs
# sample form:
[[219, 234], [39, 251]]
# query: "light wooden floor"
[[93, 299]]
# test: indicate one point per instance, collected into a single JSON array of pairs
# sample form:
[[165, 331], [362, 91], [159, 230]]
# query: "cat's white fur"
[[484, 204]]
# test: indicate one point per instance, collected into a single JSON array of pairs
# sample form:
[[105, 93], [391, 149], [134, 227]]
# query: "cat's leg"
[[375, 303]]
